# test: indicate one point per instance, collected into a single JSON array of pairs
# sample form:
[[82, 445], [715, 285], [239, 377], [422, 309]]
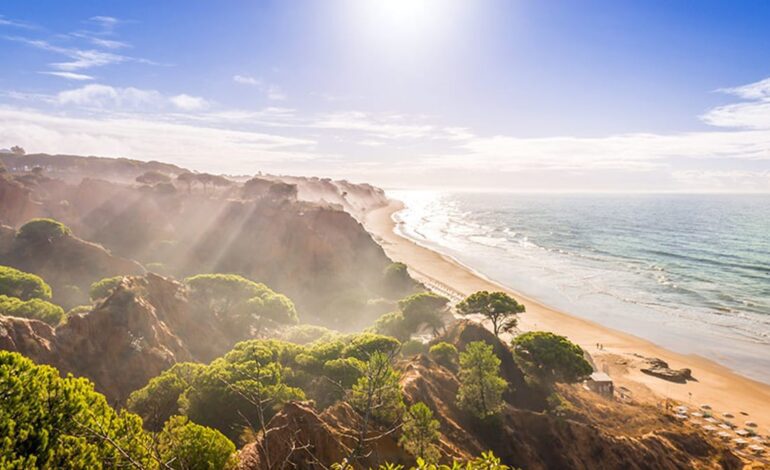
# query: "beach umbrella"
[[751, 424], [705, 406]]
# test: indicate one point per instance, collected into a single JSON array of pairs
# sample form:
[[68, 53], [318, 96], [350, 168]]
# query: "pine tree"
[[481, 387], [421, 433]]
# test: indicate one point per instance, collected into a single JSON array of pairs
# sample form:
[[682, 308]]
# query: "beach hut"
[[742, 432], [725, 436], [601, 383]]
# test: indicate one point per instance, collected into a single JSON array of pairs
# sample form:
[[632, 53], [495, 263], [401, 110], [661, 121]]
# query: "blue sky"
[[517, 95]]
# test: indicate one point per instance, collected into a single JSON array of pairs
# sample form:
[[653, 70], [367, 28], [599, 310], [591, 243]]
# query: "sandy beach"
[[621, 353]]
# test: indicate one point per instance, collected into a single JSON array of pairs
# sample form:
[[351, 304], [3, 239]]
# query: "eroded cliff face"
[[144, 327], [303, 239], [521, 436], [68, 264]]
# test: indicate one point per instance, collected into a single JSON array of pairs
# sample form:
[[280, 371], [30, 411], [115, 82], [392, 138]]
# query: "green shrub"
[[344, 371], [79, 309], [444, 354], [51, 422], [305, 334], [551, 356], [157, 401], [413, 347], [103, 288], [15, 283], [189, 446], [35, 309], [43, 230]]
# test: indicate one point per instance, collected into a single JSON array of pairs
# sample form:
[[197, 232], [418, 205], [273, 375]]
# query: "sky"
[[515, 95]]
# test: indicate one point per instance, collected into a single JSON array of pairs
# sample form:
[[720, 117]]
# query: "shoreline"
[[716, 385]]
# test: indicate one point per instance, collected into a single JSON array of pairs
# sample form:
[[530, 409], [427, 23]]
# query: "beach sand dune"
[[621, 354]]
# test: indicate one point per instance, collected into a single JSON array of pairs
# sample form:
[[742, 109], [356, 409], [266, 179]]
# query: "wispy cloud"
[[80, 58], [246, 80], [272, 92], [16, 23], [69, 75], [104, 96], [188, 145], [189, 103], [753, 91]]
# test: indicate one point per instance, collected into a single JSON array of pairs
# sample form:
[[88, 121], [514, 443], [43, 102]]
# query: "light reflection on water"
[[690, 272]]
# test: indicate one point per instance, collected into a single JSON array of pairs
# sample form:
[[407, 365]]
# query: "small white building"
[[601, 383]]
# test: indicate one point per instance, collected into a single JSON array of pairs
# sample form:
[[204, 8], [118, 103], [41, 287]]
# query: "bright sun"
[[402, 23]]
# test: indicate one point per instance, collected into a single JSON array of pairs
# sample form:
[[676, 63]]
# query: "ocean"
[[688, 272]]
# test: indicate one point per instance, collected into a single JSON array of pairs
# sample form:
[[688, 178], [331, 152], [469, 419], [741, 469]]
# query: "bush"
[[396, 279], [189, 446], [26, 286], [304, 334], [102, 289], [50, 422], [551, 356], [241, 304], [344, 371], [413, 347], [79, 309], [444, 354], [157, 401], [35, 309], [43, 230], [242, 388]]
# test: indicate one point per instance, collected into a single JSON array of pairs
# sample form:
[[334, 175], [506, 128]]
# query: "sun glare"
[[396, 24]]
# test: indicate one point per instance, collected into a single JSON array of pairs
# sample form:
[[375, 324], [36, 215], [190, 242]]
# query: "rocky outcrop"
[[144, 327], [67, 263], [659, 368], [595, 435]]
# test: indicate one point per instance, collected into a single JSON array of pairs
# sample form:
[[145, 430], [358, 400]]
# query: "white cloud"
[[142, 138], [4, 21], [105, 96], [753, 91], [69, 75], [272, 92], [189, 103], [246, 80]]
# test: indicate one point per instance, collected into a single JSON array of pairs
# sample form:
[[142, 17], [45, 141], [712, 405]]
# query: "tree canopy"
[[551, 356], [35, 309], [417, 311], [481, 387], [189, 446], [244, 305], [420, 433], [51, 422], [153, 177], [43, 230], [444, 354], [498, 307], [103, 288], [25, 286]]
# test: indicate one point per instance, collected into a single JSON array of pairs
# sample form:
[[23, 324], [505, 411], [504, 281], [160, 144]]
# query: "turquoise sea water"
[[688, 272]]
